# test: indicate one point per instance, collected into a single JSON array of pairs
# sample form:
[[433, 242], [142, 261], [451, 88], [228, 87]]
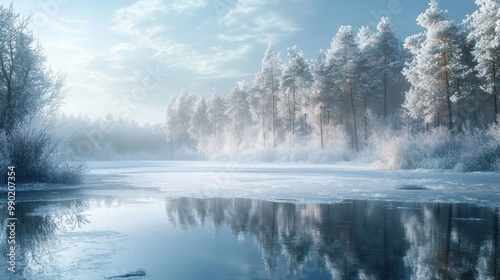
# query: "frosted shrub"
[[494, 146], [433, 149], [438, 148], [40, 156]]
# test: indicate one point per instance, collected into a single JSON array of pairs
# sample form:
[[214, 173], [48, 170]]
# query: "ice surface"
[[118, 221], [299, 182]]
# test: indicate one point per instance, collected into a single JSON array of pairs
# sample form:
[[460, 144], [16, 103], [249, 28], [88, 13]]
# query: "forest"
[[430, 101]]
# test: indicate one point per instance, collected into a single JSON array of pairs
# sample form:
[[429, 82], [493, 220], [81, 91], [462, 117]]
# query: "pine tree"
[[368, 71], [199, 126], [321, 99], [215, 113], [266, 86], [343, 62], [296, 77], [436, 64], [238, 110], [485, 31], [388, 59], [467, 84], [171, 123]]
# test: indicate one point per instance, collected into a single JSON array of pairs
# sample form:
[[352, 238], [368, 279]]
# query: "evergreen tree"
[[184, 112], [238, 110], [343, 60], [367, 66], [199, 126], [388, 58], [296, 78], [266, 86], [215, 111], [171, 124], [485, 31], [436, 64], [321, 99]]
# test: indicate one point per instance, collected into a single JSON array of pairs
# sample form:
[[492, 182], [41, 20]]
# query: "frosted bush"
[[470, 150], [40, 156], [433, 149]]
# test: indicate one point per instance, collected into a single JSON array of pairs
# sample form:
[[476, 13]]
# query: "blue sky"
[[127, 57]]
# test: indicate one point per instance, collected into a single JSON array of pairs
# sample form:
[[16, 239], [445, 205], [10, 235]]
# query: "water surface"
[[221, 238], [159, 222]]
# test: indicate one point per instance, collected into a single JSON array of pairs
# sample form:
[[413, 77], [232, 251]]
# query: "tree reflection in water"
[[357, 239], [38, 224]]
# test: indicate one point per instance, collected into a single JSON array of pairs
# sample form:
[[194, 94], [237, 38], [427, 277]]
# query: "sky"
[[125, 58]]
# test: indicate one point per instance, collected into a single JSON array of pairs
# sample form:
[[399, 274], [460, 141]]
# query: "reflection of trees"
[[452, 241], [357, 239], [38, 223]]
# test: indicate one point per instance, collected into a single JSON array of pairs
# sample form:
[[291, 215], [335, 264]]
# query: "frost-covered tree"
[[321, 99], [386, 53], [367, 70], [295, 79], [485, 31], [180, 109], [184, 112], [260, 109], [266, 84], [436, 64], [238, 110], [343, 60], [199, 126], [466, 86], [27, 87], [30, 95], [215, 111], [171, 124]]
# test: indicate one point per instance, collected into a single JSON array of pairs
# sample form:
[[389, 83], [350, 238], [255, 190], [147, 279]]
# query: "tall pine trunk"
[[264, 125], [321, 128], [354, 118], [495, 97], [385, 87], [448, 97], [366, 120], [171, 146], [293, 110], [274, 111]]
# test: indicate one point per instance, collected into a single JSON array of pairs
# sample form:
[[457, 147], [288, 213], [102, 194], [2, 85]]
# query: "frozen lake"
[[202, 220]]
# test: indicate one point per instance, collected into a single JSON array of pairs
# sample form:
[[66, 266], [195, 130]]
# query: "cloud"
[[195, 47], [187, 5], [148, 24], [127, 20], [256, 20]]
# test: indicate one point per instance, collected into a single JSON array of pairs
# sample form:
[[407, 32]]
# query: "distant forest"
[[430, 101], [409, 104]]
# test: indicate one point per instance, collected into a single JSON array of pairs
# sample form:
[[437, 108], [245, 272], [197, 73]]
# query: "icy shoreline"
[[301, 182]]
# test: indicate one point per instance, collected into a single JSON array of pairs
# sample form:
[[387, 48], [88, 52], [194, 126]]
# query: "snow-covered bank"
[[298, 182]]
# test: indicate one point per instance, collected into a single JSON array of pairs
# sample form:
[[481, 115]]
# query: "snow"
[[299, 182]]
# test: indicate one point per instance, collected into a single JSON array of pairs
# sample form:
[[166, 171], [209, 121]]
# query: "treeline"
[[367, 80], [112, 139]]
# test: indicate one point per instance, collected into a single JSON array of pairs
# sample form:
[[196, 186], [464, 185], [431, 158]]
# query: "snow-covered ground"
[[299, 182]]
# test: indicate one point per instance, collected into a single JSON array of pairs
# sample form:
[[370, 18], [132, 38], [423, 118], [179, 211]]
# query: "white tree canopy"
[[485, 32]]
